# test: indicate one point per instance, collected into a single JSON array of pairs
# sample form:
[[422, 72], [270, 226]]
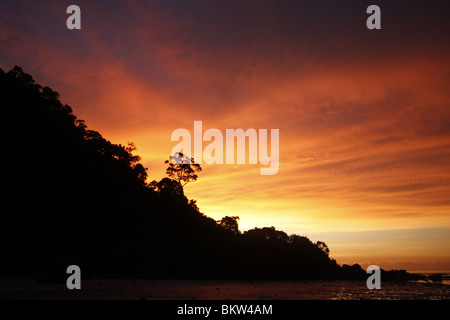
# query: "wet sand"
[[119, 289]]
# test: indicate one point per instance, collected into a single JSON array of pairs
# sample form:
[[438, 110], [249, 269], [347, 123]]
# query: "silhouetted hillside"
[[73, 197]]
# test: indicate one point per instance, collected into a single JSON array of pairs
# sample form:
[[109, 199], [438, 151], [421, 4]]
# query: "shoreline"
[[147, 289]]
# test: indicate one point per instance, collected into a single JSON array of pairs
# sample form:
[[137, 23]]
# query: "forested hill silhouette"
[[73, 197]]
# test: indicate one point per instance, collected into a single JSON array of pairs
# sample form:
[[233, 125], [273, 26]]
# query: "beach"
[[145, 289]]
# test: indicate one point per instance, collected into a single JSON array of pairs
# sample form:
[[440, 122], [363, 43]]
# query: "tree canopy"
[[74, 197], [182, 168]]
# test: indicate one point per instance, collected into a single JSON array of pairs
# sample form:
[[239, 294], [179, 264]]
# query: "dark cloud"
[[363, 115]]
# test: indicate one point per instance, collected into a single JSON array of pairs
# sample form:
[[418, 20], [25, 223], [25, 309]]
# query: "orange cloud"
[[363, 118]]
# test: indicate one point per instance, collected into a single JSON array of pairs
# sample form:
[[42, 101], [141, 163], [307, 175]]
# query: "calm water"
[[218, 290]]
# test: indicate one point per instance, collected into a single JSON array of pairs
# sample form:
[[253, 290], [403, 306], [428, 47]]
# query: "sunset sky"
[[363, 115]]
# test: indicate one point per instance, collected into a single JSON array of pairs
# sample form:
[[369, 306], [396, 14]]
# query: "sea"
[[147, 289]]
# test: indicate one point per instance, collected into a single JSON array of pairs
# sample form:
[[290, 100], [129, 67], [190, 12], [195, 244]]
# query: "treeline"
[[73, 197]]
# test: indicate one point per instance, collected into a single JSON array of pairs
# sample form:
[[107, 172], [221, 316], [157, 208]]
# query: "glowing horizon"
[[364, 117]]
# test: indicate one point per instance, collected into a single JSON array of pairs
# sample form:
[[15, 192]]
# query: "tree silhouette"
[[90, 186], [323, 246], [230, 223], [182, 168], [167, 187]]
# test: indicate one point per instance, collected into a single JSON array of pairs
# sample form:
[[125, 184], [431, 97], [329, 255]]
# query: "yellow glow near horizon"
[[364, 123]]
